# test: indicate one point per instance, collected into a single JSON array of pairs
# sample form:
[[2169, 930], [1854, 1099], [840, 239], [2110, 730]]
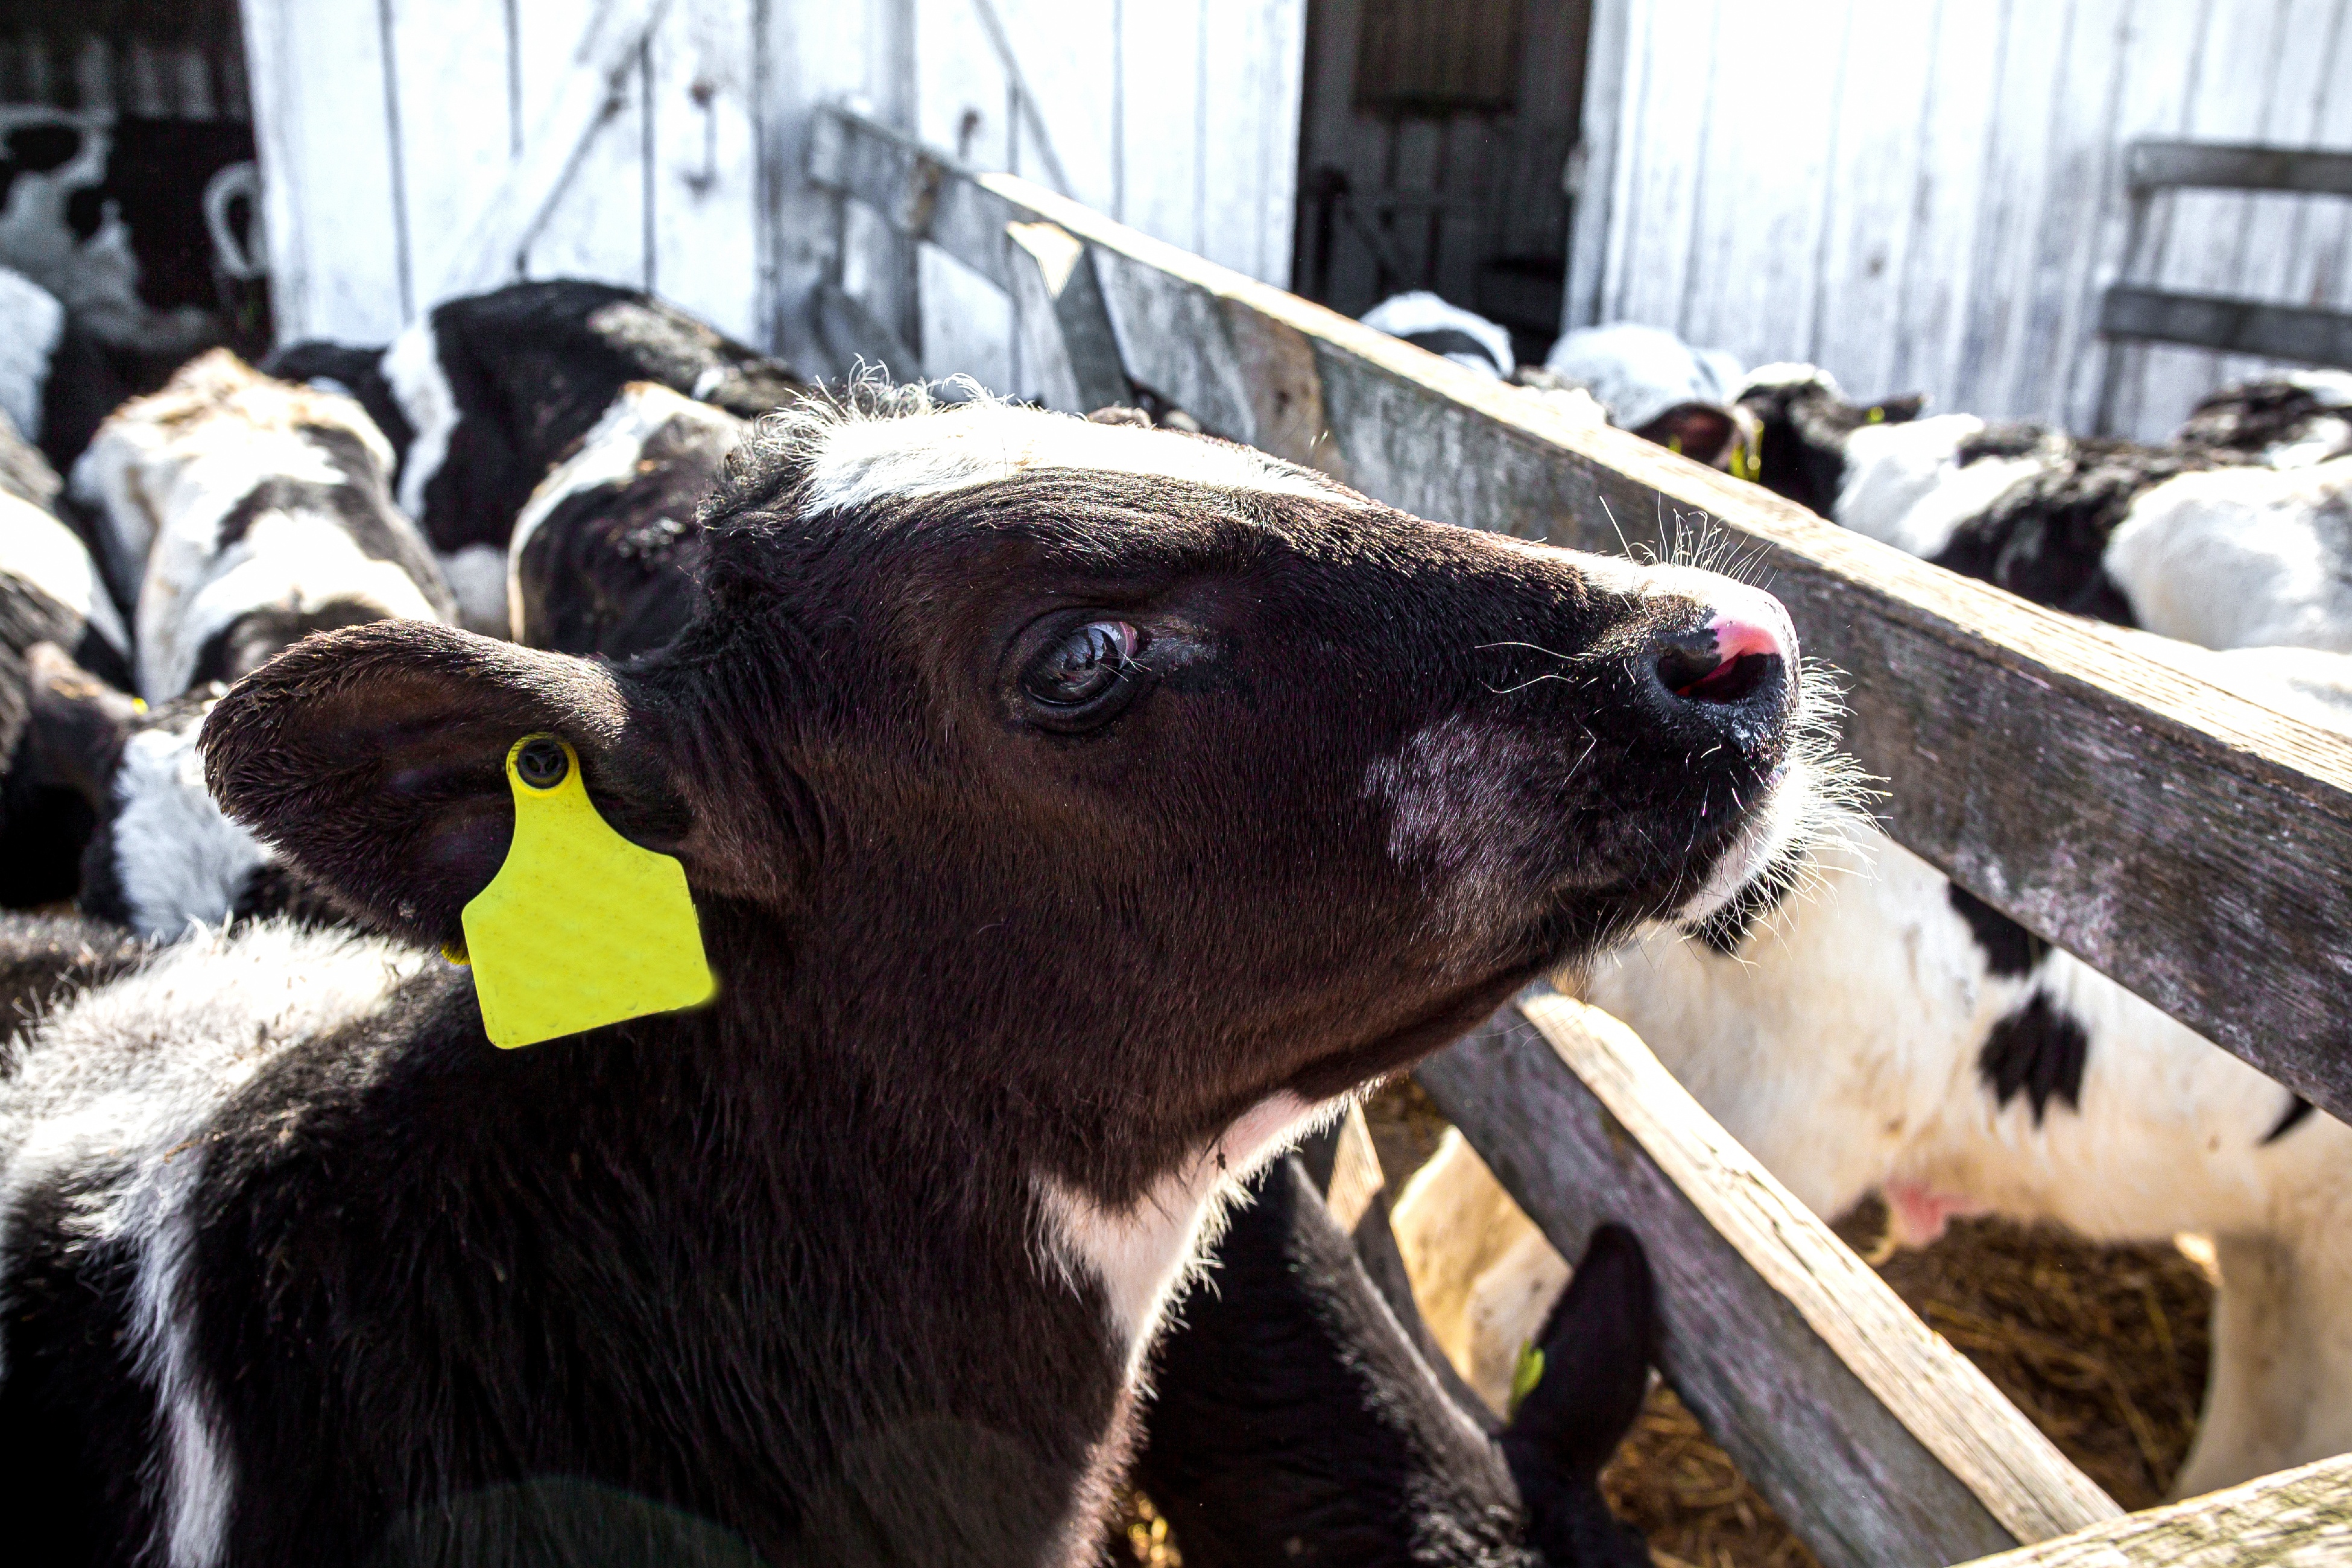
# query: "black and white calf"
[[997, 732], [1292, 1420], [487, 393], [1466, 337], [50, 594], [2288, 421], [152, 850], [1651, 383], [248, 512], [604, 558]]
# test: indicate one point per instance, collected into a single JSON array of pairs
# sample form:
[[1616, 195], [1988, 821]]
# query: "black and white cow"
[[487, 393], [1292, 1420], [1651, 383], [998, 730], [242, 513], [2194, 541], [152, 850], [604, 557], [2288, 421], [50, 594], [1466, 337]]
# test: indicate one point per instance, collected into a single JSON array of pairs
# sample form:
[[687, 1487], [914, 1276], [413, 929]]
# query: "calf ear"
[[374, 759], [1699, 431], [1579, 1392]]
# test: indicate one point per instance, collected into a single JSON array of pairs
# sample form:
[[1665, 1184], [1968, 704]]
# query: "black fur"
[[43, 823], [2011, 951], [1293, 1421], [2256, 416], [532, 365], [2044, 538], [775, 1264], [1454, 341], [1802, 428], [44, 958], [2039, 1051], [613, 569]]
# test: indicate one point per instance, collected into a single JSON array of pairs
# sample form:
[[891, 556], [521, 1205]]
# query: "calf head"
[[1802, 420], [1113, 793]]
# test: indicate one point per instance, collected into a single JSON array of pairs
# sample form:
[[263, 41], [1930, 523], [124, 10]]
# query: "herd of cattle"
[[294, 1265]]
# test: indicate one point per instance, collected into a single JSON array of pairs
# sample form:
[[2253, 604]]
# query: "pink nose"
[[1735, 636]]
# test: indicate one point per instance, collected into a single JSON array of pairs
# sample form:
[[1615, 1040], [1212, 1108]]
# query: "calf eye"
[[1084, 675]]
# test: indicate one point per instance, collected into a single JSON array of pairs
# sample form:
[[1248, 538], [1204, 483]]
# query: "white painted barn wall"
[[1927, 195], [391, 132]]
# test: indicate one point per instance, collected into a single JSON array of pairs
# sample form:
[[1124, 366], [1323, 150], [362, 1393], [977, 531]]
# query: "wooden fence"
[[2181, 839]]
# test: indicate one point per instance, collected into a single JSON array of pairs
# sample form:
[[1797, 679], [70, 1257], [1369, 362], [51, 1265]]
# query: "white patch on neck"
[[177, 855], [412, 370], [45, 555], [1142, 1256], [1906, 485], [862, 461]]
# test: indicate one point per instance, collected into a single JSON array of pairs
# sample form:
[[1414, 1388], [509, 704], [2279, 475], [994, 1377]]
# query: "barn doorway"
[[1433, 151]]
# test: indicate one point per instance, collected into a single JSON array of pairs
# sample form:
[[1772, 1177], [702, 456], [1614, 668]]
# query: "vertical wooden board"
[[2199, 247], [1160, 86], [1955, 129], [960, 88], [2293, 104], [2002, 370], [808, 56], [1669, 123], [706, 198], [1415, 161], [596, 226], [1610, 254], [316, 76], [1762, 197], [450, 63], [1248, 114], [1065, 55], [2158, 71], [1875, 169]]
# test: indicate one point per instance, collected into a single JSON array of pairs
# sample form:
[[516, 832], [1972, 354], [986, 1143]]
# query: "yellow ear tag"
[[579, 927]]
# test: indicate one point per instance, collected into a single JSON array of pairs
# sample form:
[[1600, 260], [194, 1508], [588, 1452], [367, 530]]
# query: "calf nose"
[[1740, 660]]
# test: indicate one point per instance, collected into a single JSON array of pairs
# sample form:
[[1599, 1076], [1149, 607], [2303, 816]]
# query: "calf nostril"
[[1726, 661], [1735, 679]]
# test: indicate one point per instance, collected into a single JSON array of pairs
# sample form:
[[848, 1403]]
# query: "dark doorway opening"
[[1434, 147]]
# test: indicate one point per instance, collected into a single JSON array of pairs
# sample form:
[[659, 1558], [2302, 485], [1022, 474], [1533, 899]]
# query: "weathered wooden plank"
[[2296, 1519], [1879, 1443], [2154, 165], [704, 191], [2176, 836], [594, 89], [322, 126], [1068, 348], [2232, 326]]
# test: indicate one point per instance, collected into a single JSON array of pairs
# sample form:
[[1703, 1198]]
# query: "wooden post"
[[1876, 1441], [1066, 334]]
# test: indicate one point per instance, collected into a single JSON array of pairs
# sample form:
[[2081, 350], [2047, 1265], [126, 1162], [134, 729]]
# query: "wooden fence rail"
[[1875, 1441], [2185, 841], [2180, 838]]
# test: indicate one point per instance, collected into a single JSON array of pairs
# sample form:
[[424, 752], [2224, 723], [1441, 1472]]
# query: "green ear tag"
[[579, 927], [1525, 1373]]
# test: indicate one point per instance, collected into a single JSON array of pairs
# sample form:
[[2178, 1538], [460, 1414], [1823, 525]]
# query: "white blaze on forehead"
[[860, 462]]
